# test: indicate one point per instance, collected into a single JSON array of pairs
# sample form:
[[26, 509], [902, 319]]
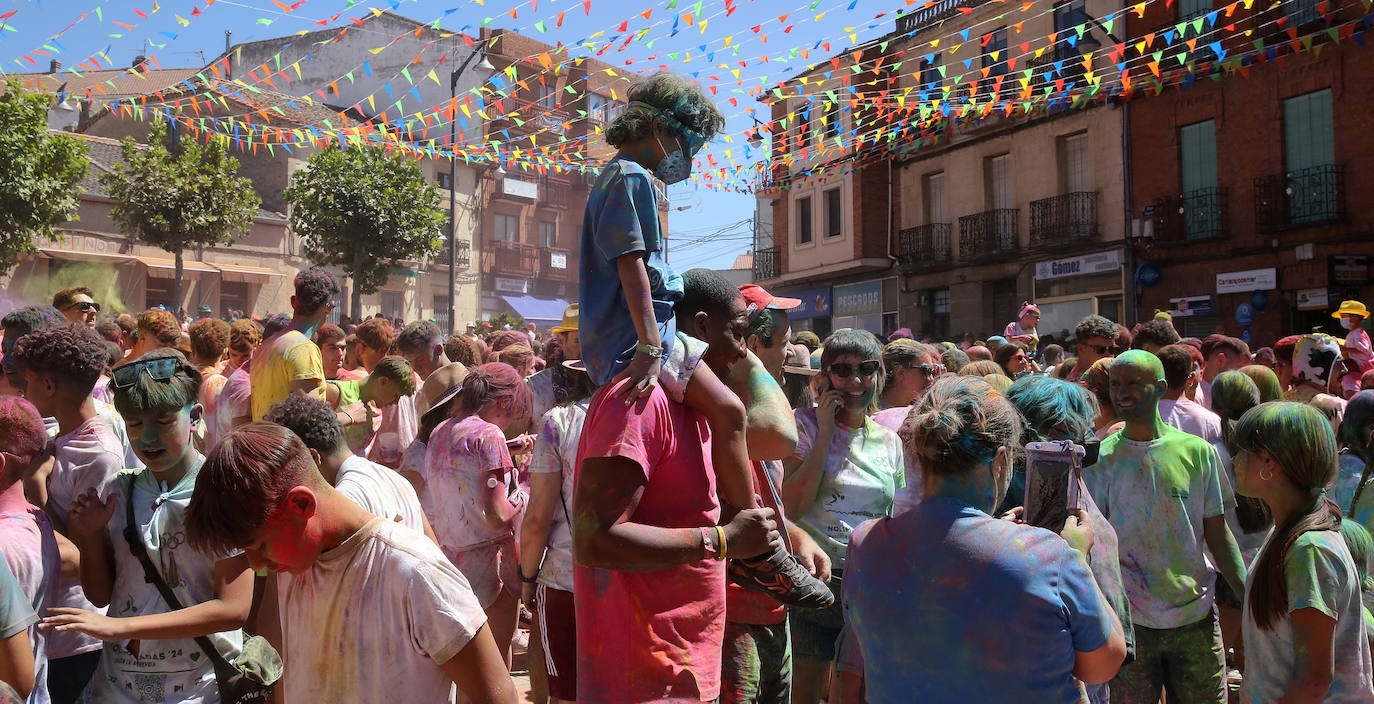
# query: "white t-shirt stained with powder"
[[374, 619]]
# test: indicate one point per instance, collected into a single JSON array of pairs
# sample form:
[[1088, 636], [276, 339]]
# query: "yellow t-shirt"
[[289, 358]]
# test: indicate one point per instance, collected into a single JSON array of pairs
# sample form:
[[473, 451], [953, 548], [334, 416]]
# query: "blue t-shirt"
[[952, 605], [621, 218]]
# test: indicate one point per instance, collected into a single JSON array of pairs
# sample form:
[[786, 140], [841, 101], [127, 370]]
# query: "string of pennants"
[[883, 120]]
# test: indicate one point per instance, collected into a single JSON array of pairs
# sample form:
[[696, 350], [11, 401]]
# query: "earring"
[[1266, 477]]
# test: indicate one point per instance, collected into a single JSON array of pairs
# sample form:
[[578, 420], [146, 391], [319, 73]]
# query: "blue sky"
[[712, 228]]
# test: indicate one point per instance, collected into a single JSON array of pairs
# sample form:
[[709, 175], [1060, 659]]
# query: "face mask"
[[1347, 323], [675, 165]]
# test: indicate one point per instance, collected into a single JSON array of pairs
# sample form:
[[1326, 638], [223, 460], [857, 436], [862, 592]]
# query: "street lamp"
[[483, 65]]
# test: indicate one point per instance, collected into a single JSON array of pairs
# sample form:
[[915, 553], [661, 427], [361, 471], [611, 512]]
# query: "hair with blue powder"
[[1054, 409]]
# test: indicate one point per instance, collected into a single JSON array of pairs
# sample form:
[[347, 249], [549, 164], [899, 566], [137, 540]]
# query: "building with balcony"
[[530, 217], [1245, 188], [1001, 206]]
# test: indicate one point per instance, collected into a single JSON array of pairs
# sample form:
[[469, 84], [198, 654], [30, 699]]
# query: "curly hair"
[[244, 335], [419, 337], [459, 348], [1156, 333], [1095, 326], [312, 420], [71, 355], [664, 93], [150, 395], [161, 325], [376, 334], [66, 298], [315, 287], [22, 321], [209, 338]]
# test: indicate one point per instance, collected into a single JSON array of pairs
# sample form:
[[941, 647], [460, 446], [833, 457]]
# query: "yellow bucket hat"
[[569, 320], [1351, 308]]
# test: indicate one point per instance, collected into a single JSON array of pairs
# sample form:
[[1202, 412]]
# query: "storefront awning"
[[539, 310], [166, 268], [240, 272], [82, 255]]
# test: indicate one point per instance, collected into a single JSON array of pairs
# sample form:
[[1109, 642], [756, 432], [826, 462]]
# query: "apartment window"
[[507, 228], [393, 303], [1197, 158], [548, 233], [1068, 16], [445, 180], [997, 175], [834, 213], [804, 220], [441, 311], [601, 108], [1075, 167], [1309, 155], [1193, 9], [830, 121], [939, 301], [933, 197], [995, 52], [549, 97], [930, 74], [1300, 12]]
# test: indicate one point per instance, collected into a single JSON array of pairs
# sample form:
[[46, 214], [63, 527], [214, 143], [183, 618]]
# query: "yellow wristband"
[[720, 534]]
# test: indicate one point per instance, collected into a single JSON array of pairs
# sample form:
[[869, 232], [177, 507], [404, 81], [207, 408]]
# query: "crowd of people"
[[691, 503]]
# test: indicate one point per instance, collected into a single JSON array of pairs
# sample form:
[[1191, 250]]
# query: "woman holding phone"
[[845, 470], [468, 468]]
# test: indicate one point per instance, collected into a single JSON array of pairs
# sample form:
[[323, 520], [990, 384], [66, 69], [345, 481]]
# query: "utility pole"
[[453, 185]]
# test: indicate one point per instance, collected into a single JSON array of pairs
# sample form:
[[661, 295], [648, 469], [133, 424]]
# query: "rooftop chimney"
[[140, 61], [54, 66]]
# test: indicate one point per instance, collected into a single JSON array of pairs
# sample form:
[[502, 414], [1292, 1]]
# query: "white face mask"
[[1348, 323]]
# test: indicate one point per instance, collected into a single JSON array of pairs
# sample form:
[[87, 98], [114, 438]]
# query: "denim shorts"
[[814, 631]]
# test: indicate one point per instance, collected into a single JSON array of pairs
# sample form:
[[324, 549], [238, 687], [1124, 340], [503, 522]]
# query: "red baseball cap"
[[756, 299]]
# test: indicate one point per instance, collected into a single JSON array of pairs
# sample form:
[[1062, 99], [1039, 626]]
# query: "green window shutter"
[[1308, 132], [1198, 156]]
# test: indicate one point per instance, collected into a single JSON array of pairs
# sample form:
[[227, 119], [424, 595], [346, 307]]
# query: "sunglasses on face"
[[1099, 349], [1021, 357], [85, 306], [159, 369], [845, 370], [930, 371]]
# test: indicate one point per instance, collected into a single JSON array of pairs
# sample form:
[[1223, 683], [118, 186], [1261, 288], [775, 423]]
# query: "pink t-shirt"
[[1191, 418], [657, 635], [462, 454]]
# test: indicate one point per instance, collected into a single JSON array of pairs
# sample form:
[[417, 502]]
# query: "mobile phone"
[[1052, 473]]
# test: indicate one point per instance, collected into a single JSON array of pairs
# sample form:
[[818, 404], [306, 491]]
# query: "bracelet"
[[720, 533], [527, 580], [711, 550], [650, 350]]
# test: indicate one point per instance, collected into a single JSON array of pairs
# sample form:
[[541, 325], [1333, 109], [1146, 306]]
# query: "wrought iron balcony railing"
[[1310, 196], [464, 255], [1193, 216], [988, 234], [925, 247], [556, 264], [766, 265], [511, 258], [1064, 219]]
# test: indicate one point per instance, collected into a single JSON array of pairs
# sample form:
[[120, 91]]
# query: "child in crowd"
[[1304, 626], [468, 469], [149, 656], [628, 291], [369, 611], [390, 381]]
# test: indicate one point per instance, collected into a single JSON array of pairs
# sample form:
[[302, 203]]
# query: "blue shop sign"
[[815, 303]]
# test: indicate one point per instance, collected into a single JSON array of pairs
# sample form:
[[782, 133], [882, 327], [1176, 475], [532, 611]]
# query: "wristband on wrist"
[[720, 533], [655, 351], [527, 580], [709, 545]]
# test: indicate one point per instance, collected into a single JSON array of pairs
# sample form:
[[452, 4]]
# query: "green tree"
[[365, 211], [188, 196], [502, 319], [39, 170]]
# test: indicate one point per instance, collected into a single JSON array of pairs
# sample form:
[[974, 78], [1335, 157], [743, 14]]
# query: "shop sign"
[[1247, 281], [81, 243], [1245, 315], [505, 285], [1313, 299], [1190, 306], [815, 303], [520, 189], [859, 299], [558, 260], [1087, 264], [1349, 270]]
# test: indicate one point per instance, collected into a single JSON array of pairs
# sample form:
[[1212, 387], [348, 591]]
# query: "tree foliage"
[[365, 211], [39, 171], [193, 197]]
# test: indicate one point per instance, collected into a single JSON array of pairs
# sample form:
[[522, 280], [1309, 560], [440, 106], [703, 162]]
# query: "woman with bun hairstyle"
[[951, 604], [467, 470]]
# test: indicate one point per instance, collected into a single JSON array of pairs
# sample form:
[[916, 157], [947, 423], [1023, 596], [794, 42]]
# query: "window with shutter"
[[1198, 179], [1309, 153], [804, 220]]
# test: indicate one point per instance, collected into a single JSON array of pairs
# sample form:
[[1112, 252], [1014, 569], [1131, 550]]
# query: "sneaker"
[[781, 576]]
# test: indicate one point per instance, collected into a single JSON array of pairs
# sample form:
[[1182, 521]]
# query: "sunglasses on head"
[[1100, 349], [159, 369], [844, 370], [85, 306]]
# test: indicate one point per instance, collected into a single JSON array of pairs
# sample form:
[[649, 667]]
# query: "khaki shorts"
[[490, 570]]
